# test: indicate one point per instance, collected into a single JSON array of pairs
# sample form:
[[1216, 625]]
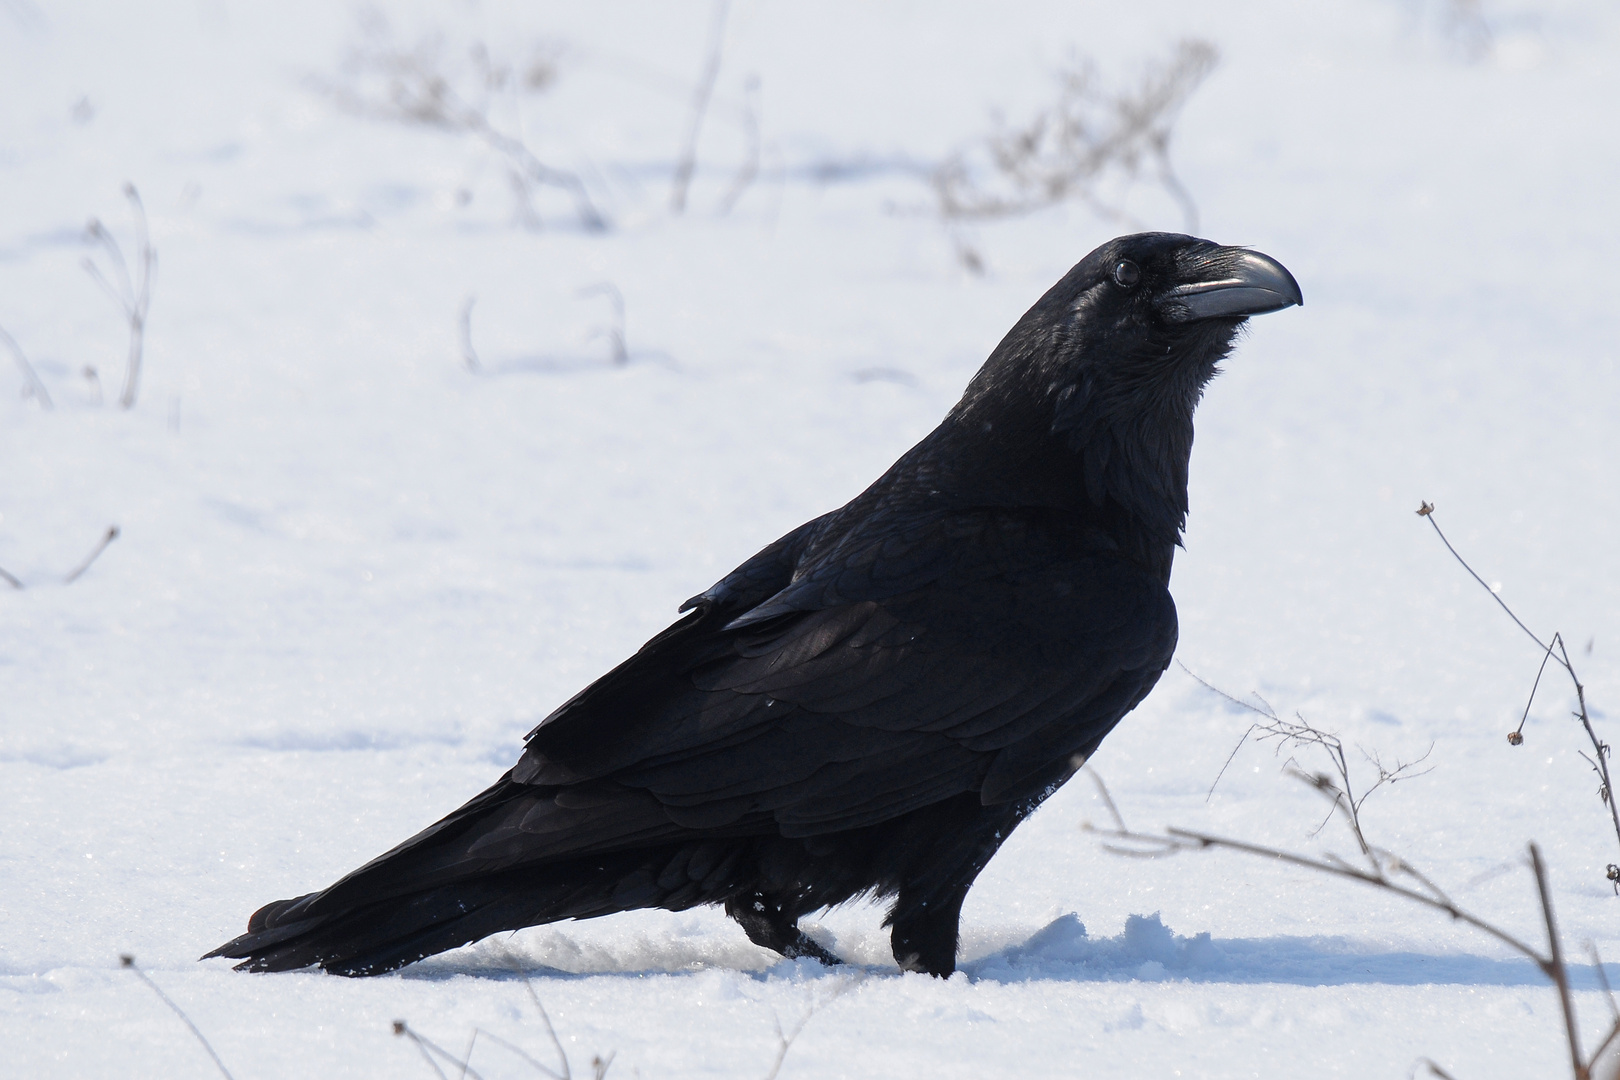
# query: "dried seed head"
[[1514, 738]]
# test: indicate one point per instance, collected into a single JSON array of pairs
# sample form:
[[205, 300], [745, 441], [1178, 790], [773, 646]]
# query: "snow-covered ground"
[[351, 573]]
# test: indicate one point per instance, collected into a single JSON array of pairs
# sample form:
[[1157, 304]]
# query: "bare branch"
[[519, 1051], [415, 89], [428, 1049], [786, 1041], [1603, 980], [1190, 840], [1108, 801], [1427, 511], [1382, 874], [36, 388], [106, 538], [1557, 650], [1068, 149], [402, 1028], [701, 93], [107, 287], [615, 332], [469, 355], [545, 1018], [132, 291], [1434, 1069], [1339, 792], [1554, 964], [124, 294], [749, 170], [128, 962], [1608, 1040]]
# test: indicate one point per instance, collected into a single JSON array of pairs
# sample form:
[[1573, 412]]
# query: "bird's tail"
[[451, 885], [374, 938]]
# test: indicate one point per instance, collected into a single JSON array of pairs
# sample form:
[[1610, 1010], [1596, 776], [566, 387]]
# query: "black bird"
[[872, 703]]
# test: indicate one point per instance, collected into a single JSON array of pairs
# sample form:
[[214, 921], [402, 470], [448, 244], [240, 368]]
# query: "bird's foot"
[[766, 924], [804, 945]]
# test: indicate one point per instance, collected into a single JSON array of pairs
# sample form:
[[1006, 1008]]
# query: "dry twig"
[[1384, 874], [133, 291], [614, 332], [427, 1048], [748, 171], [1556, 651], [432, 1053], [469, 355], [545, 1018], [701, 93], [1297, 733], [35, 388], [128, 962], [785, 1040], [107, 538], [391, 82], [1069, 148]]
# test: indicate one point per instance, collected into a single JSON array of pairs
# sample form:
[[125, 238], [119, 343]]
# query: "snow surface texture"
[[352, 573]]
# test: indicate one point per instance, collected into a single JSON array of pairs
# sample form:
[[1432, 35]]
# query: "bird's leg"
[[925, 930], [765, 923]]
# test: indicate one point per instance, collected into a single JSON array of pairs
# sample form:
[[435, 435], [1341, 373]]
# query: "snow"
[[351, 574]]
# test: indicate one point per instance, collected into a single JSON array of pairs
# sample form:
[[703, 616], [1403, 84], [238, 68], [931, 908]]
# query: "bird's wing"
[[952, 652]]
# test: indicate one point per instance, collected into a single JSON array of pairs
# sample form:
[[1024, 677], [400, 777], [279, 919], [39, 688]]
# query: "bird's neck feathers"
[[1102, 427]]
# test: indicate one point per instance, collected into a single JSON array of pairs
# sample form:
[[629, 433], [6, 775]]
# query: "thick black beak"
[[1230, 282]]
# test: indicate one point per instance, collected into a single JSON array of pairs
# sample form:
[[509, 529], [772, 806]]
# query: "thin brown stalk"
[[36, 388], [545, 1017], [106, 538], [128, 963], [1554, 964], [469, 355], [1193, 840], [133, 290], [1557, 650], [519, 1051], [748, 172], [428, 1049], [615, 331], [686, 164], [419, 92]]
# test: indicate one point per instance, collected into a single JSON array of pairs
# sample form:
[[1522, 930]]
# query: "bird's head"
[[1096, 385]]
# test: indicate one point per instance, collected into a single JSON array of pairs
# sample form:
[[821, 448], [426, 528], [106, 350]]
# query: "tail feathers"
[[265, 929], [381, 937], [514, 856], [509, 829], [374, 938]]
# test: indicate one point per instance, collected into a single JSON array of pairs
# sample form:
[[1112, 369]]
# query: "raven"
[[871, 704]]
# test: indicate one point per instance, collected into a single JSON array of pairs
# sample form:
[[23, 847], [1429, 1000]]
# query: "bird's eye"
[[1126, 274]]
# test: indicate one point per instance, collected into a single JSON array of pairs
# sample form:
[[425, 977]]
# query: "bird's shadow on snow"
[[1148, 951], [1061, 951]]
